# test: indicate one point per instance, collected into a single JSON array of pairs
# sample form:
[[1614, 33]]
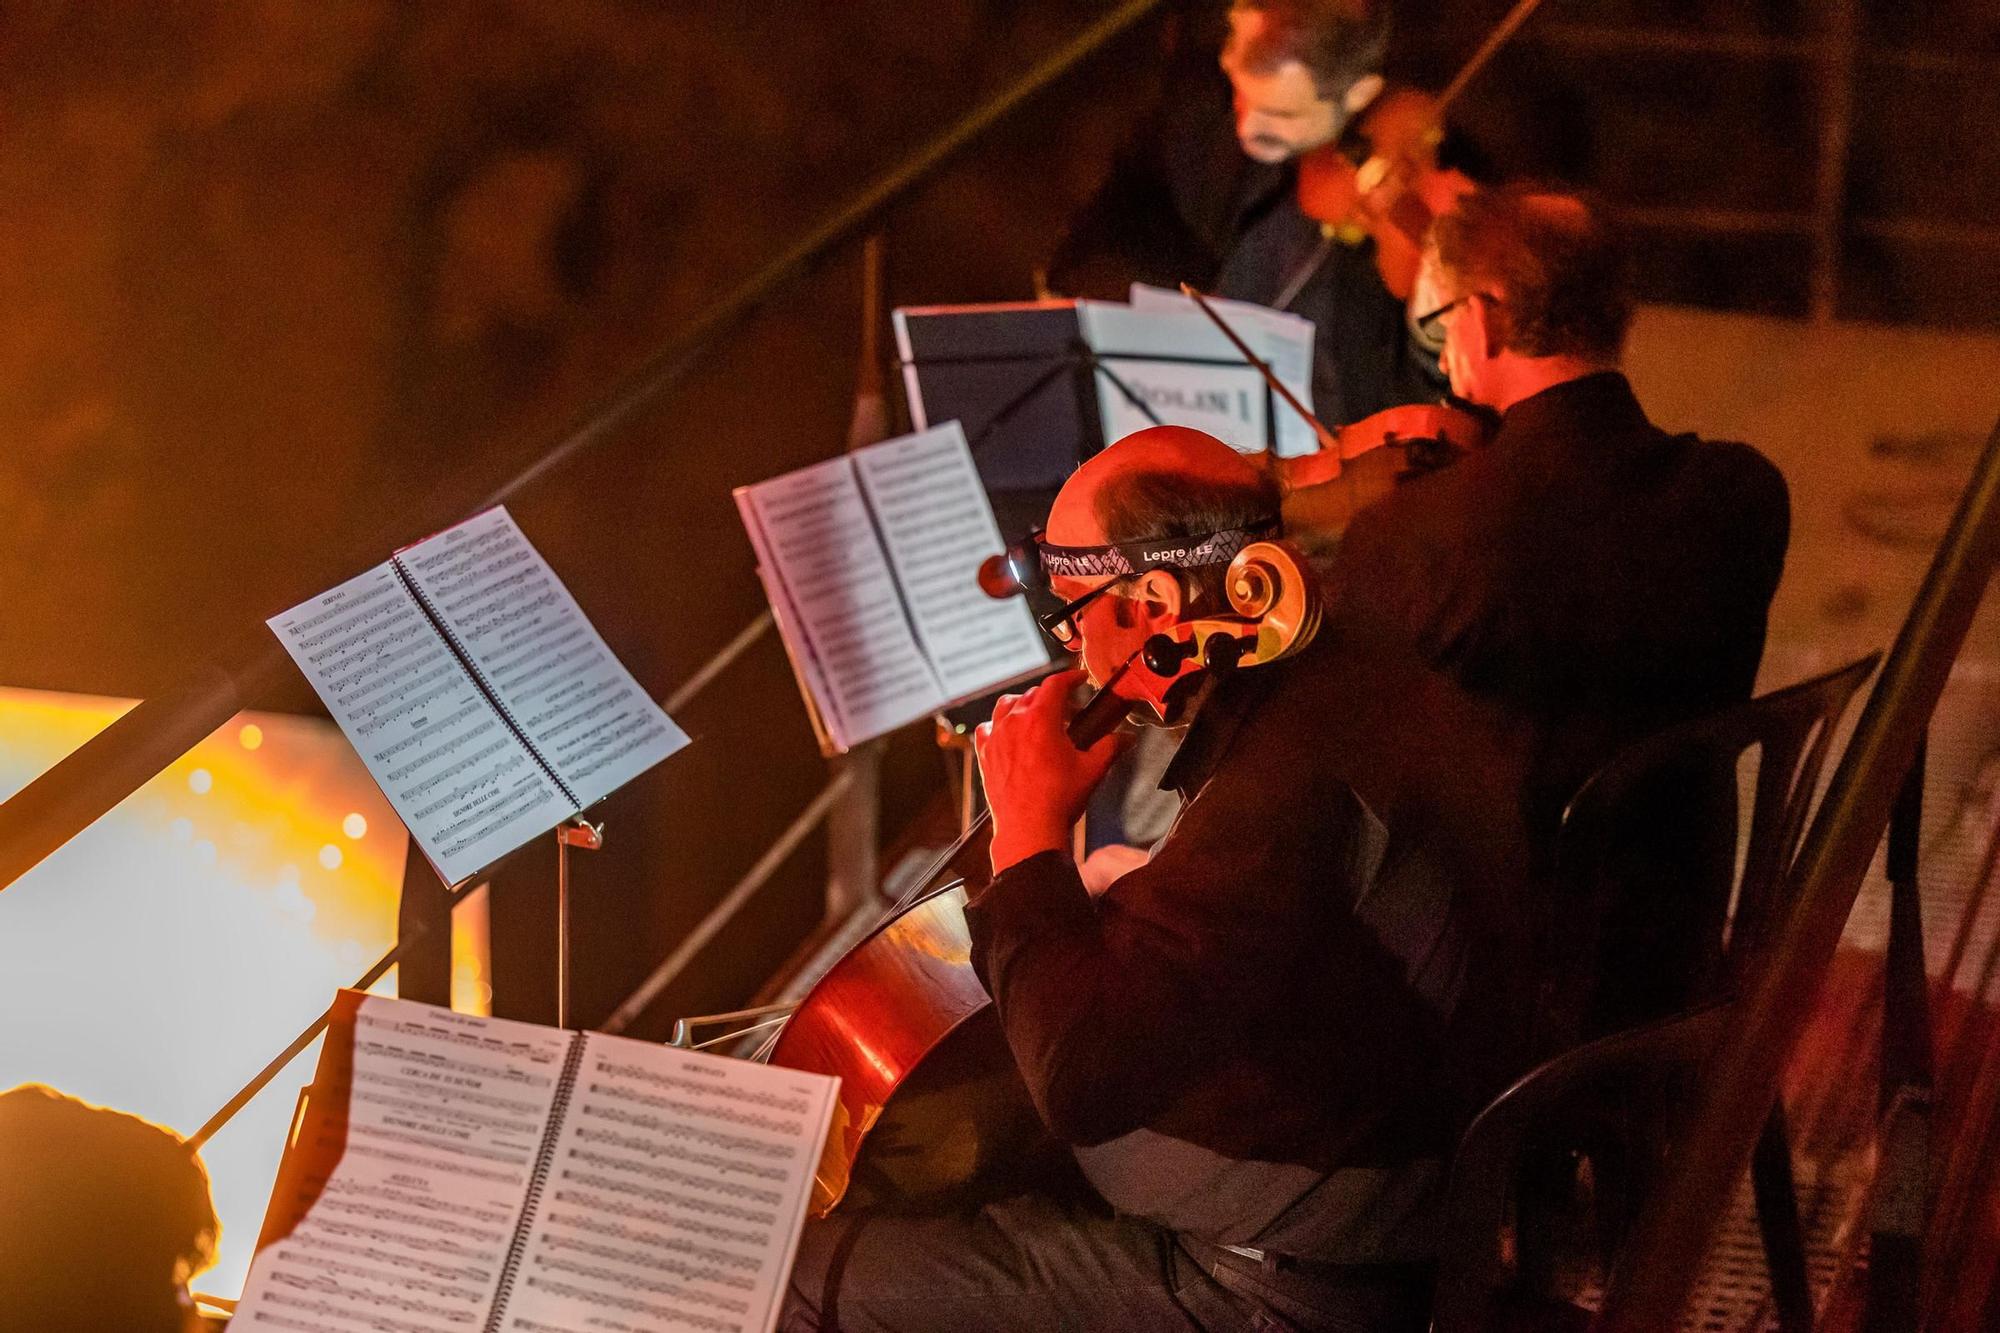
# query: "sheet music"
[[811, 527], [1186, 371], [454, 772], [402, 1223], [676, 1193], [540, 654], [938, 526], [1282, 339], [805, 666]]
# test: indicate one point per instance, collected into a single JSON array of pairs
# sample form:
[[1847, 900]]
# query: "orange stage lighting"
[[165, 954]]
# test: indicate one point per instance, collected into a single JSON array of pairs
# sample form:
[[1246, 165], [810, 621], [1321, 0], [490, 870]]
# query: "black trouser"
[[1036, 1262]]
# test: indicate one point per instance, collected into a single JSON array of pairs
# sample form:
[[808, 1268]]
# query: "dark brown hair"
[[1561, 265], [1338, 41]]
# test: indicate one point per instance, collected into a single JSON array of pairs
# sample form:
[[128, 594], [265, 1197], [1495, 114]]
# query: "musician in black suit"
[[1261, 1042], [1239, 1040], [1207, 190], [1597, 577]]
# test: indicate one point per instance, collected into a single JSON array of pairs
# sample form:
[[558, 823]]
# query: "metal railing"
[[1740, 1081], [62, 802]]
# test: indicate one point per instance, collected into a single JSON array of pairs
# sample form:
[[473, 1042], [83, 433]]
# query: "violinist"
[[1248, 188], [1239, 1038], [1594, 576]]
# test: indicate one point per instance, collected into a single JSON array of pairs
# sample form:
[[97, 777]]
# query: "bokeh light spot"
[[251, 736], [329, 856], [355, 825], [201, 781]]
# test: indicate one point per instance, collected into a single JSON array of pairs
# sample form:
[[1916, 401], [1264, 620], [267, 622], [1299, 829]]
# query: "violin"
[[1381, 182], [930, 1099], [1359, 463]]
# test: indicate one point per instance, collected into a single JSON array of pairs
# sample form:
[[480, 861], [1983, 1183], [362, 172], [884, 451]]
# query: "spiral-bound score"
[[479, 695], [454, 1172]]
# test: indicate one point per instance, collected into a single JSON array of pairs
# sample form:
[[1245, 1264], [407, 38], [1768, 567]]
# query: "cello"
[[930, 1099]]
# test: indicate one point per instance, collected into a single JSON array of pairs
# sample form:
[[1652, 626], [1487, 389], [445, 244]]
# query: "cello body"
[[930, 1100]]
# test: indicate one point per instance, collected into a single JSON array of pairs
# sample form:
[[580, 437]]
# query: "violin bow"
[[1502, 33], [1375, 170], [1327, 439]]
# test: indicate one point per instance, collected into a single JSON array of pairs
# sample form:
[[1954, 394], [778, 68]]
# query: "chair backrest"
[[1474, 1292], [1792, 729]]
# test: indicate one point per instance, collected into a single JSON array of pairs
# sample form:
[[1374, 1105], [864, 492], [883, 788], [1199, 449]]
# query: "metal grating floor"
[[1833, 1104], [1735, 1294]]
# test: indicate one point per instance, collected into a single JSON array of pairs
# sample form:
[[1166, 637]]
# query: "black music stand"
[[1028, 386]]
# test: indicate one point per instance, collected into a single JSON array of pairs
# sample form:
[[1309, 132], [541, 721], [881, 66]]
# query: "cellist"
[[1240, 1040]]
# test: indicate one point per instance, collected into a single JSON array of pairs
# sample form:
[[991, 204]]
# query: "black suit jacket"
[[1183, 204], [1599, 580]]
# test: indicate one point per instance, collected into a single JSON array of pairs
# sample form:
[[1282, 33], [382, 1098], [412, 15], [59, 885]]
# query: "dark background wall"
[[271, 272]]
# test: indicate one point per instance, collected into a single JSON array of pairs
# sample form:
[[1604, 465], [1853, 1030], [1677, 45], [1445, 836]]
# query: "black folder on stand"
[[1019, 379]]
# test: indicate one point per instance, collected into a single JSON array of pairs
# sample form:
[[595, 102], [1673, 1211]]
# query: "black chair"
[[1600, 867], [1475, 1290], [1610, 904]]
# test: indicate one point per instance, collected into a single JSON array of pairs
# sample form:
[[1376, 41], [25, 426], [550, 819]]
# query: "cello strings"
[[740, 1032]]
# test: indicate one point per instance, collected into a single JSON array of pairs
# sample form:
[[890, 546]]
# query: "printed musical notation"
[[461, 1173], [839, 599], [678, 1182], [476, 691], [455, 773], [417, 1235], [938, 527], [871, 563], [539, 655]]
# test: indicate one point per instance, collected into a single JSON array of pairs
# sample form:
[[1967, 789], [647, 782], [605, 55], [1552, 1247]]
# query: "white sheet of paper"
[[541, 655], [812, 528], [676, 1193], [1282, 339], [467, 788], [412, 1222], [938, 526]]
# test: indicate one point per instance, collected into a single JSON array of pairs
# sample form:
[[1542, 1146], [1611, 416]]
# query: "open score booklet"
[[453, 1172], [871, 561], [484, 703]]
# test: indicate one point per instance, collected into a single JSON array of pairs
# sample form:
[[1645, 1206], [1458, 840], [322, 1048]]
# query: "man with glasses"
[[1596, 576], [1240, 1038]]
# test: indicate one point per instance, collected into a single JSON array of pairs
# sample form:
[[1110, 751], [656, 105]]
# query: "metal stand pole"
[[578, 832], [956, 740]]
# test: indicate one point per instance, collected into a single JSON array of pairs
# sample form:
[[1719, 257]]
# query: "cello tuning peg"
[[1164, 655]]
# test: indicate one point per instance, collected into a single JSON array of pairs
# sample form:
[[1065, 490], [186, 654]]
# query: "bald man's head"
[[1164, 481]]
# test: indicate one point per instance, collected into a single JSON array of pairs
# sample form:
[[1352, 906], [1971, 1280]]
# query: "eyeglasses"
[[1060, 624], [1431, 327]]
